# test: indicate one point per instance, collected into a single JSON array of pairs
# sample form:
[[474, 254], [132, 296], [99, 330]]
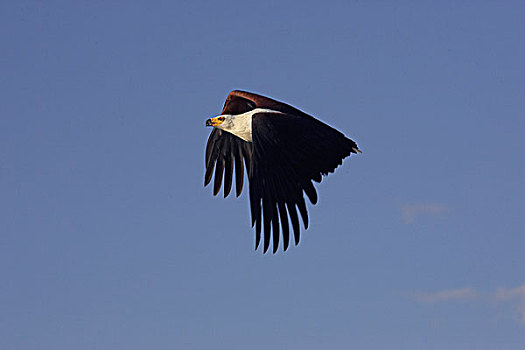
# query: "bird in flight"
[[283, 150]]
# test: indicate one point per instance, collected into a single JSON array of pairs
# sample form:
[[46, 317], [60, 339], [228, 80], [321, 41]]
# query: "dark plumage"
[[289, 149]]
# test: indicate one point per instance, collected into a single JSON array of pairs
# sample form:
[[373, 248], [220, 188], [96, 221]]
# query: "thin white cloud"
[[516, 295], [445, 295], [410, 212], [503, 294], [513, 297]]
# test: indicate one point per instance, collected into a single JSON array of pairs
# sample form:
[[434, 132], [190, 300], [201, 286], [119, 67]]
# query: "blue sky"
[[110, 241]]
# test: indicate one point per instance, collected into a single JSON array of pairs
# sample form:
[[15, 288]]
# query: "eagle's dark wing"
[[289, 151], [222, 152]]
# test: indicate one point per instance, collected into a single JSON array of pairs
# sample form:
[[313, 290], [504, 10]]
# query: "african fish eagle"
[[283, 149]]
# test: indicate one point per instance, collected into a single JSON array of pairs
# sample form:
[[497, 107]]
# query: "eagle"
[[283, 150]]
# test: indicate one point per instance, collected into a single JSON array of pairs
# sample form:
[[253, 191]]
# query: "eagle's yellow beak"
[[214, 121]]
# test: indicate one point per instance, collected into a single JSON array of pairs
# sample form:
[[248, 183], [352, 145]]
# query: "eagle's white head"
[[239, 125]]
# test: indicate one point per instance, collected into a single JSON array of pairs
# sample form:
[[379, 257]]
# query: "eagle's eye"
[[221, 119]]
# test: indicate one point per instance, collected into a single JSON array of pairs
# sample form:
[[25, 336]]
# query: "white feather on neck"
[[241, 124]]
